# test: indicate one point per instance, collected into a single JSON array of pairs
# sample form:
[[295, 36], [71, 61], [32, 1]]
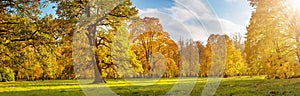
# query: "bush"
[[0, 77], [7, 74]]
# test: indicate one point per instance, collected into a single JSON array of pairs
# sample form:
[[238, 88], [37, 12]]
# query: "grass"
[[143, 87]]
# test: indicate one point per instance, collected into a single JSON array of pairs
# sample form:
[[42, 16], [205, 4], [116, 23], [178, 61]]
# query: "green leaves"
[[6, 74]]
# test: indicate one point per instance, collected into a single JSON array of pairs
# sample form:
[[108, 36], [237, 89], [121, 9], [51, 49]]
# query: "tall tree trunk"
[[95, 59], [93, 43]]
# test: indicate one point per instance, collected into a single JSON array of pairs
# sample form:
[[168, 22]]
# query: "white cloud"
[[230, 0], [230, 28], [192, 19]]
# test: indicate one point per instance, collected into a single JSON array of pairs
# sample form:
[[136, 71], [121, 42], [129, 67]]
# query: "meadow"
[[228, 86]]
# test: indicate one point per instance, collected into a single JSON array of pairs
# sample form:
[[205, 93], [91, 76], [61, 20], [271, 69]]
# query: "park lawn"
[[240, 86]]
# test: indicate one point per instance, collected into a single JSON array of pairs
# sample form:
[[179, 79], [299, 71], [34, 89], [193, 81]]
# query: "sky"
[[48, 10], [197, 19], [193, 19]]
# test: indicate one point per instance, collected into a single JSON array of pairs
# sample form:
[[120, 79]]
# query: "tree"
[[269, 47], [292, 12], [99, 22], [189, 55], [125, 61], [201, 56], [148, 38], [206, 61], [234, 60], [41, 46], [214, 58], [22, 29]]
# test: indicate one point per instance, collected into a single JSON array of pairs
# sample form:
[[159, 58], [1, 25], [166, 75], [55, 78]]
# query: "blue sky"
[[144, 4], [48, 10], [237, 11], [215, 16], [199, 18]]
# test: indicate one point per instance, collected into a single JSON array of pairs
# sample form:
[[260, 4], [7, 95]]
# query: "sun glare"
[[295, 4]]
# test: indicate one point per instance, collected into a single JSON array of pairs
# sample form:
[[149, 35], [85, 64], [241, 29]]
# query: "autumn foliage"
[[123, 45]]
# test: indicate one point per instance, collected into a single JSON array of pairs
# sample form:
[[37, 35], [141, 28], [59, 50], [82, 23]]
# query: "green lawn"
[[228, 86]]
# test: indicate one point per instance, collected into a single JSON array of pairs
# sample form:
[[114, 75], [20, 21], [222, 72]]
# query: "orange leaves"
[[147, 37]]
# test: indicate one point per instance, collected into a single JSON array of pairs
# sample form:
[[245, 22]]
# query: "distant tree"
[[147, 37], [206, 61], [234, 60], [201, 54], [125, 61], [214, 60], [189, 56]]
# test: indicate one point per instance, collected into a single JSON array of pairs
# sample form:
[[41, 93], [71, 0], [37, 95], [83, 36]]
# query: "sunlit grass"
[[38, 85], [229, 86]]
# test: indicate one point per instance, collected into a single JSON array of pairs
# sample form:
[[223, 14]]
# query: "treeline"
[[115, 43], [40, 47]]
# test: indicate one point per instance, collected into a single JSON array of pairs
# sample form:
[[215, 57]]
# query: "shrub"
[[0, 77], [7, 74]]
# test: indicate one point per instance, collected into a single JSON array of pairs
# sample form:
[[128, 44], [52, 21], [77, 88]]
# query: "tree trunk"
[[93, 43], [97, 71], [95, 61]]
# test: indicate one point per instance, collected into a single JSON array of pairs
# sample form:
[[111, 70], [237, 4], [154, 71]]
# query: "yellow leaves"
[[234, 60], [148, 38], [269, 44]]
